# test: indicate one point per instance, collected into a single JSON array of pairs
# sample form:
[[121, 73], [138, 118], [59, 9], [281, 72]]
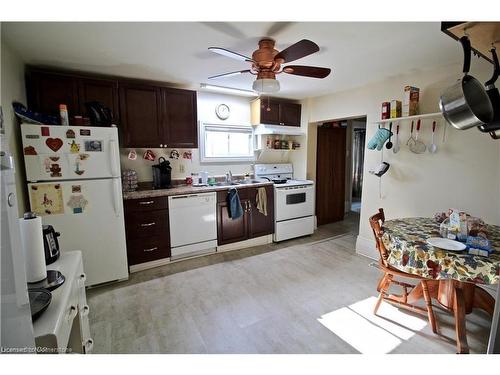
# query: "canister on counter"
[[386, 110]]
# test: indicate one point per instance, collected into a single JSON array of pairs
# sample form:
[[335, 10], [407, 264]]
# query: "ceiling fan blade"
[[307, 71], [298, 50], [231, 54], [230, 74]]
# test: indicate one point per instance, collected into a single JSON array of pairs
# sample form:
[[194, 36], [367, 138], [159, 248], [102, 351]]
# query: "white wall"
[[13, 89], [464, 173], [240, 115]]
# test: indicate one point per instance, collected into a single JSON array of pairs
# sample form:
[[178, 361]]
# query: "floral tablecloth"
[[409, 252]]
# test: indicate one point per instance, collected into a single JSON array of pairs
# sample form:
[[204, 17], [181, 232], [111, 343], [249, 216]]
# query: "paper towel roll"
[[32, 242]]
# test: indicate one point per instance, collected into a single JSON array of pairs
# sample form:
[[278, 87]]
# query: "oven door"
[[294, 201]]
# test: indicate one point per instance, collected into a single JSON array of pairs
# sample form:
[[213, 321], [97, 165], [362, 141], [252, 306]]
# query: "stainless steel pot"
[[466, 104]]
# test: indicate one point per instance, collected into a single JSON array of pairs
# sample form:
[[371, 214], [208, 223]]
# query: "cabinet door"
[[229, 230], [261, 225], [99, 90], [290, 114], [269, 112], [180, 127], [140, 115], [46, 91]]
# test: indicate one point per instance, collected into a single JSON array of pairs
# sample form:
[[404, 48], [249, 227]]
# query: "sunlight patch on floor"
[[370, 334]]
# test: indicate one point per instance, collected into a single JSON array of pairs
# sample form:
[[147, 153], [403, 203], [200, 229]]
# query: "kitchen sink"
[[248, 182], [227, 183]]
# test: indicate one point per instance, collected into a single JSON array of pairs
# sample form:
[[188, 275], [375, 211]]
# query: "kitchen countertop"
[[146, 191]]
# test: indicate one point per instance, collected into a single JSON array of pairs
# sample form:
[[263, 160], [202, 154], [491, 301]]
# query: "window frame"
[[205, 159]]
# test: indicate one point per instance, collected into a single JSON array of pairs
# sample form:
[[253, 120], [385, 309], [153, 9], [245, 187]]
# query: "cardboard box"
[[395, 108], [410, 101]]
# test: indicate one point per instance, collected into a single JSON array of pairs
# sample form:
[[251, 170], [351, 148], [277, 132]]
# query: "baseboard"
[[264, 240], [148, 265], [366, 247]]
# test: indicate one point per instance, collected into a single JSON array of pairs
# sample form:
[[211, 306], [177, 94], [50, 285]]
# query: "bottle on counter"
[[63, 112], [277, 143]]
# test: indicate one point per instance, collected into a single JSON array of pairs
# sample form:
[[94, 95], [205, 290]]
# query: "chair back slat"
[[376, 222]]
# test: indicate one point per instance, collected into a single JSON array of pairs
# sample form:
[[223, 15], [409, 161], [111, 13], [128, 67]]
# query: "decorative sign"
[[47, 199]]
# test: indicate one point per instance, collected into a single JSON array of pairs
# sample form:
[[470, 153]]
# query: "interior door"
[[140, 115], [330, 174]]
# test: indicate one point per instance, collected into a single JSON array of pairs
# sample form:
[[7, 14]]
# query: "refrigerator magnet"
[[55, 170], [47, 199], [54, 143], [93, 146], [77, 203], [79, 167], [85, 132], [32, 136], [74, 147], [30, 150], [45, 131], [76, 188], [70, 133]]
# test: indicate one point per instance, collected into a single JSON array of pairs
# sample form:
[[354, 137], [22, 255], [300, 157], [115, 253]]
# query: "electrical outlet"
[[181, 168]]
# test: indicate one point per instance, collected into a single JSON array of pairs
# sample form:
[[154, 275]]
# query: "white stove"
[[293, 201]]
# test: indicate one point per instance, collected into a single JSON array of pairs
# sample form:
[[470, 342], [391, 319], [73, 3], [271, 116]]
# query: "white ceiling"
[[357, 53]]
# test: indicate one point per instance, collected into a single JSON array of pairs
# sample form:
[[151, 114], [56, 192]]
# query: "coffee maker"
[[162, 174]]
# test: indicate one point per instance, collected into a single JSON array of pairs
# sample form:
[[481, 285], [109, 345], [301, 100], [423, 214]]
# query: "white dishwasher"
[[193, 224]]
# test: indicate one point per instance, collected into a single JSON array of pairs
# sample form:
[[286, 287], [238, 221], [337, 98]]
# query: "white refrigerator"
[[74, 183], [16, 330]]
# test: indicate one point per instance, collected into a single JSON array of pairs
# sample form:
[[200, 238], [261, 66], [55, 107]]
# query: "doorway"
[[330, 172], [339, 169]]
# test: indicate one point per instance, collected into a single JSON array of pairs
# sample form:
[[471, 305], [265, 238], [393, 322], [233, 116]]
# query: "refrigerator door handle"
[[116, 195], [113, 159]]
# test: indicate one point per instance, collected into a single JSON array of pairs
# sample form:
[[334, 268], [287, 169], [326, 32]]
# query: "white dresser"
[[65, 324]]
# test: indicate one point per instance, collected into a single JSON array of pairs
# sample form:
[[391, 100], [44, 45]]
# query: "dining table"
[[454, 278]]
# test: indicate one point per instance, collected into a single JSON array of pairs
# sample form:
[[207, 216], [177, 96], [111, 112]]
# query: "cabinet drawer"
[[147, 224], [243, 193], [146, 204], [143, 250]]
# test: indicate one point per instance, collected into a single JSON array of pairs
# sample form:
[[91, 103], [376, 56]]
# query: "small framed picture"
[[94, 146]]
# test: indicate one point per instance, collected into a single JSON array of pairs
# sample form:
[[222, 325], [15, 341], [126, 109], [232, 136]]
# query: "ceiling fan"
[[267, 63]]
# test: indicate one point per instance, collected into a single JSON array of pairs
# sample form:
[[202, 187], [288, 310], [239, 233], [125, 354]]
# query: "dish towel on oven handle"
[[261, 199], [234, 204]]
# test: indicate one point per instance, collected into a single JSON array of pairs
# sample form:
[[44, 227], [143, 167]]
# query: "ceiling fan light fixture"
[[266, 85]]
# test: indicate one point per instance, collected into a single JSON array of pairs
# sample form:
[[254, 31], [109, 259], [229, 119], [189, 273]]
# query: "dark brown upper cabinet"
[[148, 114], [46, 91], [141, 115], [275, 112], [180, 128], [99, 90]]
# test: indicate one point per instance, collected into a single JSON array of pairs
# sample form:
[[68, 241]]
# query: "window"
[[223, 143]]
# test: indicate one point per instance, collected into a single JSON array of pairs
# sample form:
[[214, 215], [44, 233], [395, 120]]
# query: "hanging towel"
[[234, 204], [261, 200]]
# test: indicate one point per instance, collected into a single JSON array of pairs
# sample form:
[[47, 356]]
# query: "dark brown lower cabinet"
[[252, 224], [147, 229]]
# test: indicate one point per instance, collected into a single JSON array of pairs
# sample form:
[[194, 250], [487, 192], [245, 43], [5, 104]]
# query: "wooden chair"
[[376, 222]]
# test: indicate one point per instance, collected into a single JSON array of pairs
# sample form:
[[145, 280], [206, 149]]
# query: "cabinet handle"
[[152, 249], [146, 202], [148, 224], [161, 144]]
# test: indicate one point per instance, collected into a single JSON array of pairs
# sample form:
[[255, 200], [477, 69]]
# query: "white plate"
[[446, 244]]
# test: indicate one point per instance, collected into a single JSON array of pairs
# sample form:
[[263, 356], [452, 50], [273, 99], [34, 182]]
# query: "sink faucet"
[[229, 177]]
